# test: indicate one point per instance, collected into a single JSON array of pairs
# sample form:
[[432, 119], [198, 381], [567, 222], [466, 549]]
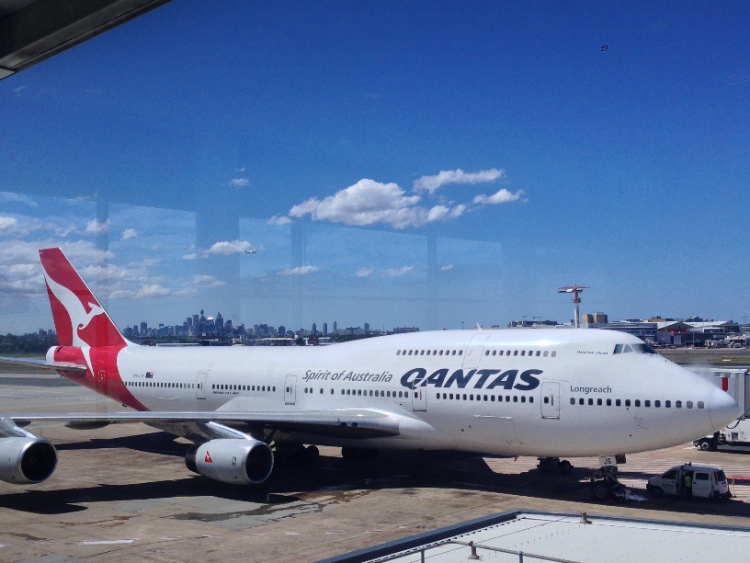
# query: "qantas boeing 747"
[[544, 393]]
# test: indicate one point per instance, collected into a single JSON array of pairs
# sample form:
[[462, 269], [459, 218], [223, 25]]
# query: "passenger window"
[[554, 354], [617, 403], [581, 402], [523, 352], [667, 404], [637, 402], [572, 400], [690, 404], [609, 402], [657, 404], [678, 404], [627, 402], [599, 402], [700, 404], [515, 352], [646, 403]]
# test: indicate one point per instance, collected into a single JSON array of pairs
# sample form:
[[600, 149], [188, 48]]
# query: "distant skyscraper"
[[325, 329], [335, 327], [314, 329], [367, 328]]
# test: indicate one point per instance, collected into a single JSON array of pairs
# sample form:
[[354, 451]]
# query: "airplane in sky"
[[545, 393]]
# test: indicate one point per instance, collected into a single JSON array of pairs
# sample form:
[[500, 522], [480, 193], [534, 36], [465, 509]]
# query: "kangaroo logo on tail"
[[79, 318]]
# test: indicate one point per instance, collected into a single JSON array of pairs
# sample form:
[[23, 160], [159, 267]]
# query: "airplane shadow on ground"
[[394, 470]]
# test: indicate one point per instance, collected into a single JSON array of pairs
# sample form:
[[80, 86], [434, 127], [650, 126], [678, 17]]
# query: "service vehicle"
[[698, 481]]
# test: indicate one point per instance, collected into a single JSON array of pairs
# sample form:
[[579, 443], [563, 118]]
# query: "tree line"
[[31, 343]]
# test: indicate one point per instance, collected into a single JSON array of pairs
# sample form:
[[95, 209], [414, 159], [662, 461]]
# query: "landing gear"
[[605, 486], [358, 454], [549, 464], [294, 456]]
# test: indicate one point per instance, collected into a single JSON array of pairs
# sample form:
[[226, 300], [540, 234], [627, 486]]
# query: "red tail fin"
[[79, 318]]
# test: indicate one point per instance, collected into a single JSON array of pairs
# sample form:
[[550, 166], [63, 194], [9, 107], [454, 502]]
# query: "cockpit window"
[[630, 348]]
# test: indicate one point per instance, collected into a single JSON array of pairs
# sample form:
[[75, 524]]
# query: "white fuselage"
[[515, 392]]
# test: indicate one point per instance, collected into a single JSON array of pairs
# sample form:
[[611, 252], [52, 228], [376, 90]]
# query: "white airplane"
[[543, 393]]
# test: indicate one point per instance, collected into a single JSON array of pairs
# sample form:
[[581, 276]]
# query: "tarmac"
[[124, 493]]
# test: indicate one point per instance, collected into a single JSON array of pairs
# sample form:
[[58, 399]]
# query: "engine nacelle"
[[234, 461], [26, 460]]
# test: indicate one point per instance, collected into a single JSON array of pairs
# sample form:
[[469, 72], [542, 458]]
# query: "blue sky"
[[420, 163]]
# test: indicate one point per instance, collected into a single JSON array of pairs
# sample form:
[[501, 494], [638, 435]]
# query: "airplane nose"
[[722, 408]]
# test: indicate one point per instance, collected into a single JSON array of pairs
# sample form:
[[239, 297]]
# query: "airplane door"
[[290, 390], [474, 352], [550, 400], [200, 385], [419, 399], [101, 382]]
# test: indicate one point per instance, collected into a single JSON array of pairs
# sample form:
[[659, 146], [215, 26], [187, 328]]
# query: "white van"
[[690, 480]]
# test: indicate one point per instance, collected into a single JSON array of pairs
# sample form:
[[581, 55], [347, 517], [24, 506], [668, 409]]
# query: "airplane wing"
[[341, 423], [42, 364]]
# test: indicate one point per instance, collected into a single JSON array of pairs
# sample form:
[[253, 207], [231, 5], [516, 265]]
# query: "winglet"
[[79, 318]]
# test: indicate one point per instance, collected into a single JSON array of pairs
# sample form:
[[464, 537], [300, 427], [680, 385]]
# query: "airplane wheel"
[[312, 453], [600, 492]]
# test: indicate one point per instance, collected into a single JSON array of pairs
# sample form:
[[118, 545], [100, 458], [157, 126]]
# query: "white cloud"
[[239, 182], [279, 220], [222, 248], [227, 248], [205, 280], [8, 224], [18, 198], [446, 268], [398, 272], [127, 234], [299, 271], [364, 272], [432, 183], [502, 196], [95, 227], [369, 202]]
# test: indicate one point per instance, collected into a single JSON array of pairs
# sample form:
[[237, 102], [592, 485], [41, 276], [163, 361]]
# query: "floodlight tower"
[[576, 290]]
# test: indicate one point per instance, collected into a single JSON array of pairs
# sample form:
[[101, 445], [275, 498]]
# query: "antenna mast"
[[576, 290]]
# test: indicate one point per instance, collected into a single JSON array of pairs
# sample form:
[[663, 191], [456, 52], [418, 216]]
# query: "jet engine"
[[232, 460], [26, 460]]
